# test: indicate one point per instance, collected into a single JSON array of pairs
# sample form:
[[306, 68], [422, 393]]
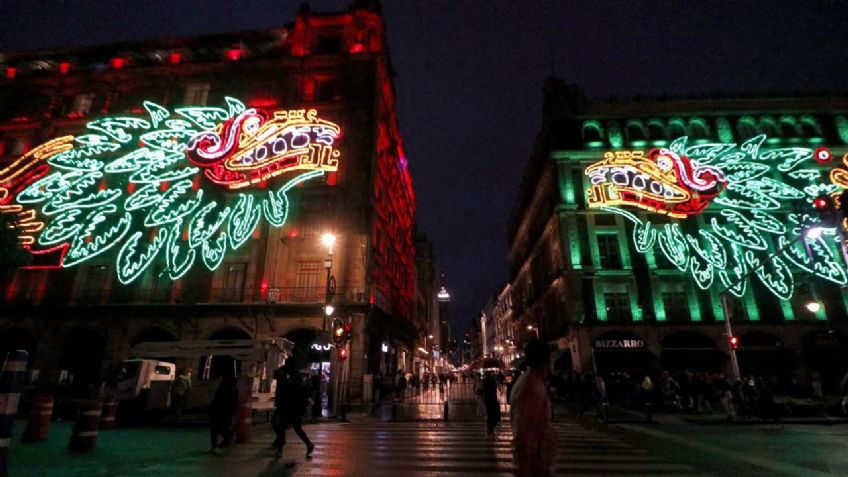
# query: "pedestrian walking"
[[534, 438], [221, 412], [647, 391], [490, 399], [290, 400], [179, 392]]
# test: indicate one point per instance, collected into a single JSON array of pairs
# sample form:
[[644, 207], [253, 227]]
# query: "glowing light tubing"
[[752, 194], [136, 185]]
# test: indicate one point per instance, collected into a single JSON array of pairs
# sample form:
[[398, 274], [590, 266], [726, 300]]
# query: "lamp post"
[[811, 231], [328, 240], [533, 328]]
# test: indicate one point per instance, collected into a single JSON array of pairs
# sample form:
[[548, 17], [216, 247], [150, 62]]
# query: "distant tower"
[[444, 318]]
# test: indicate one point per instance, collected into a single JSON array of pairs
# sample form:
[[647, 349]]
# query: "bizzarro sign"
[[619, 344], [174, 187]]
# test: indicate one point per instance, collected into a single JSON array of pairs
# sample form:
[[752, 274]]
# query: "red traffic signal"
[[342, 354], [823, 202], [734, 342]]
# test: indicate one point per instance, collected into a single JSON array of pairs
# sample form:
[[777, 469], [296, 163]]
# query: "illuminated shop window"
[[609, 252], [82, 103], [676, 306], [197, 94], [617, 307]]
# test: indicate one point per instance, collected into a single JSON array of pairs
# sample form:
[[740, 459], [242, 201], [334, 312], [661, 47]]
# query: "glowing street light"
[[814, 233], [533, 328], [813, 306], [328, 239]]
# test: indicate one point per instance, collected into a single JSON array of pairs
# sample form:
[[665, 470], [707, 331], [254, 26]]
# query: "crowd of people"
[[688, 392]]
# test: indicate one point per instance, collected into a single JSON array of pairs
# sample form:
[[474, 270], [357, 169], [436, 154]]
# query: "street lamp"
[[328, 240], [533, 328], [811, 232], [813, 306]]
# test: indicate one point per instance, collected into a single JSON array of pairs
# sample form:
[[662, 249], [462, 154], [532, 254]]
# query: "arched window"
[[656, 130], [810, 128], [698, 129], [592, 133], [676, 128], [636, 133], [768, 126], [789, 128], [746, 127]]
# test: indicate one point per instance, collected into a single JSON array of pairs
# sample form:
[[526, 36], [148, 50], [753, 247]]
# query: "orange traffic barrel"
[[40, 415], [110, 409], [243, 420], [84, 435]]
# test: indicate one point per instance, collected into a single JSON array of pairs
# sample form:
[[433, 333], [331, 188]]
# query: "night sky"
[[470, 74]]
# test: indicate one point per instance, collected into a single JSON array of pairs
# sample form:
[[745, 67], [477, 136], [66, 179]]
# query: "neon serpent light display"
[[756, 200], [174, 187]]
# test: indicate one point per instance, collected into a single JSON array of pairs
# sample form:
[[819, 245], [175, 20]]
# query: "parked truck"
[[144, 381]]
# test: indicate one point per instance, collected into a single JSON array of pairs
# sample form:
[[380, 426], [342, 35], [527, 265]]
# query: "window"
[[746, 128], [162, 285], [308, 286], [234, 282], [95, 283], [326, 89], [82, 103], [328, 45], [608, 251], [618, 307], [17, 146], [676, 306], [197, 94]]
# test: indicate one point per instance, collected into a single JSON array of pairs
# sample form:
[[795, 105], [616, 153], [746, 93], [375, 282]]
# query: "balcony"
[[224, 295]]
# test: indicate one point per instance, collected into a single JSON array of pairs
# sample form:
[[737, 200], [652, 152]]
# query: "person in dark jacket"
[[290, 400], [490, 399], [221, 412]]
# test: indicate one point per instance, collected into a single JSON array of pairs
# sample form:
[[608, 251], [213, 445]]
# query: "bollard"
[[394, 411], [243, 420], [446, 410], [11, 380], [84, 435], [38, 426], [110, 410]]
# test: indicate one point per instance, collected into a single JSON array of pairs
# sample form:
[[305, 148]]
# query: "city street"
[[368, 446], [363, 447]]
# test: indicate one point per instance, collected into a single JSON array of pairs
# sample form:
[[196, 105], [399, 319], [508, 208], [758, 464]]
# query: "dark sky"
[[470, 74]]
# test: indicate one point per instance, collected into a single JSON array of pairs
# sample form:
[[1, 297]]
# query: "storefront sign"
[[619, 344], [317, 347]]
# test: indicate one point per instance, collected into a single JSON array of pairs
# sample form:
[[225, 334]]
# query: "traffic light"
[[348, 331], [823, 203], [338, 333], [734, 342], [342, 354]]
